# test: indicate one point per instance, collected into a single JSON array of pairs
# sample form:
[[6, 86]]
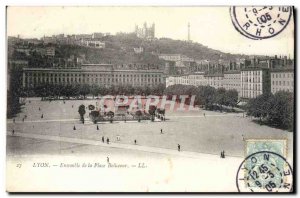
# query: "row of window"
[[92, 75], [282, 75], [70, 81], [253, 80], [235, 85], [274, 90], [248, 73], [252, 87], [283, 83], [92, 79], [251, 94]]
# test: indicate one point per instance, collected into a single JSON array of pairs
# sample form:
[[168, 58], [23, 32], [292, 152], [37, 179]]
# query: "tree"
[[110, 114], [103, 90], [151, 111], [58, 90], [68, 91], [91, 107], [261, 106], [94, 89], [81, 111], [231, 98], [282, 113], [138, 113], [146, 90], [158, 89], [84, 89], [94, 116], [220, 96], [206, 96]]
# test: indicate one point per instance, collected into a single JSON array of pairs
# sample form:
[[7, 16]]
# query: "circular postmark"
[[264, 171], [260, 22]]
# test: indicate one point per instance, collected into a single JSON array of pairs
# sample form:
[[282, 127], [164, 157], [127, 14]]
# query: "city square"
[[198, 131]]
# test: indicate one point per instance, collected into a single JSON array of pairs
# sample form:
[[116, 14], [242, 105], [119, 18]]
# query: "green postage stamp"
[[265, 168]]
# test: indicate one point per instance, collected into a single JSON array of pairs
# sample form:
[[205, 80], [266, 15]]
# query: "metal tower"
[[189, 38]]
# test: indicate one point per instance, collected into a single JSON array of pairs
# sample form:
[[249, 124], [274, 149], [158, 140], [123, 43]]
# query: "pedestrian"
[[134, 141], [23, 119], [103, 139], [72, 106], [107, 159], [107, 140], [13, 132], [14, 120], [178, 146], [161, 132], [39, 108], [25, 116], [97, 127], [42, 116], [74, 128], [221, 156]]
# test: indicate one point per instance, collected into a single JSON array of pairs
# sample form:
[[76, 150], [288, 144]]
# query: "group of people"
[[103, 140], [222, 154]]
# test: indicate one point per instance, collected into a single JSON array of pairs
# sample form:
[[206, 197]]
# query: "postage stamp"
[[273, 145], [260, 22], [265, 169]]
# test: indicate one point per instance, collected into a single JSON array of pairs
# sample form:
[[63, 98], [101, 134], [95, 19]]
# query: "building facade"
[[232, 80], [215, 80], [180, 64], [228, 80], [254, 82], [99, 74], [197, 79], [93, 43], [282, 80], [50, 51]]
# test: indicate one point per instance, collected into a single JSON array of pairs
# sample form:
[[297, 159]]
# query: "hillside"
[[119, 50]]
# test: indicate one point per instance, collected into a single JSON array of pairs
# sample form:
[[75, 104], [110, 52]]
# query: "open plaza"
[[196, 131]]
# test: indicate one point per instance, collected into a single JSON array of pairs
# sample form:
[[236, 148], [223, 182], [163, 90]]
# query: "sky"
[[210, 26]]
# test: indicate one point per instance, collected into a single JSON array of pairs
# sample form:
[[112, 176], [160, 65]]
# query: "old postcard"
[[150, 99]]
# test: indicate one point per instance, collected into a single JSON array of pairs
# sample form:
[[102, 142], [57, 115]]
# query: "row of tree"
[[206, 95], [14, 92], [75, 90], [273, 109]]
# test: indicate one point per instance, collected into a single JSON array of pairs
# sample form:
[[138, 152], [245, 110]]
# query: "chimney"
[[285, 61]]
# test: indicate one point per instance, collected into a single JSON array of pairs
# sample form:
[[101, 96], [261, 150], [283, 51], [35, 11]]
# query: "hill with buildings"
[[115, 49], [128, 48]]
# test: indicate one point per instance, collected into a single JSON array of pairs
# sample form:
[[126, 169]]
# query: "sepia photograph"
[[144, 99]]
